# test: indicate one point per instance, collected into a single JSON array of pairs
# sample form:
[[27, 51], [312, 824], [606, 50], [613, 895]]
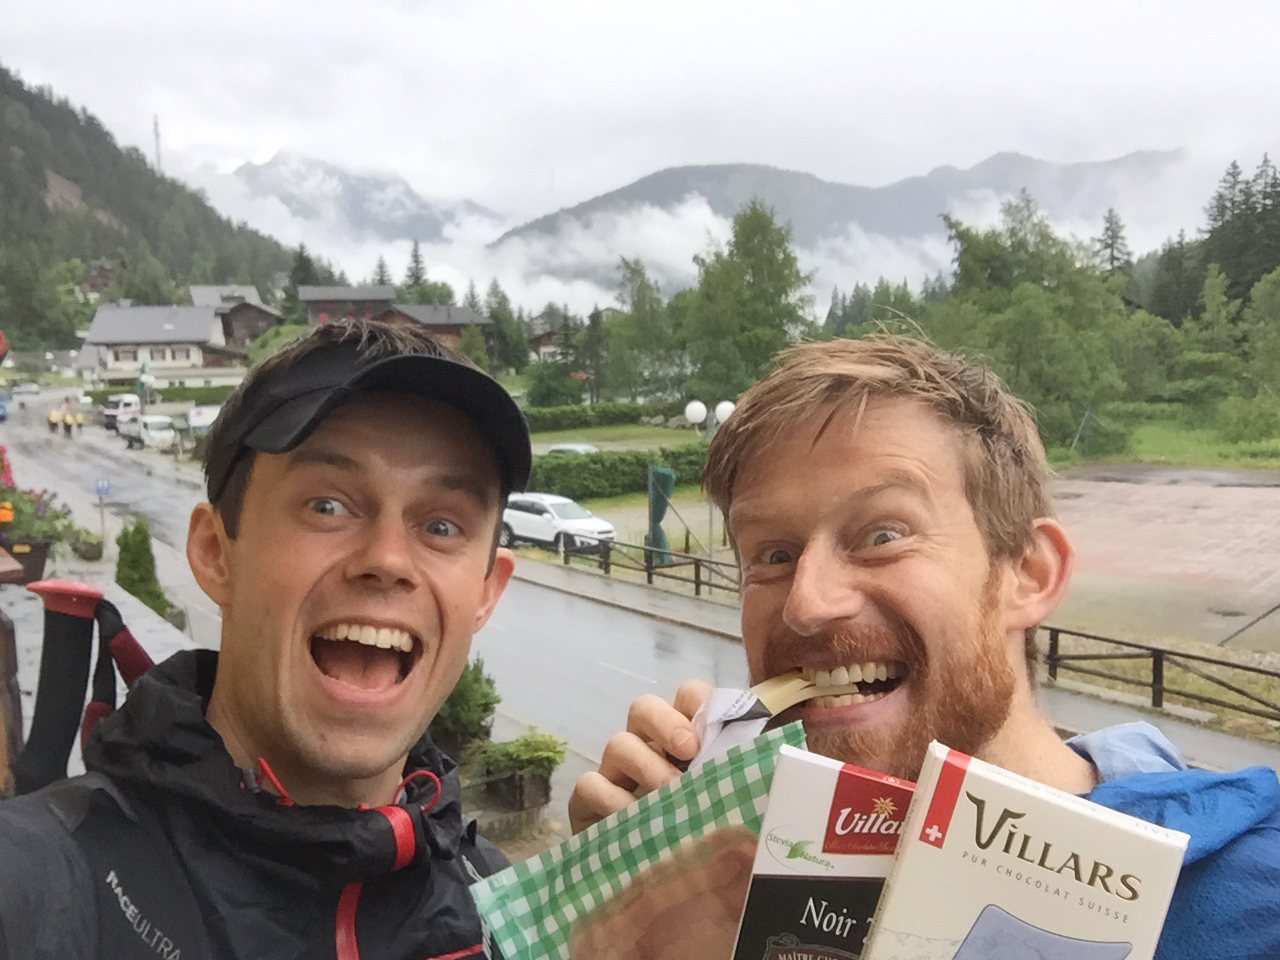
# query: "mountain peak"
[[373, 205]]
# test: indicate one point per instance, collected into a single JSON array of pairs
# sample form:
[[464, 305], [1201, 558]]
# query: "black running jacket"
[[164, 851]]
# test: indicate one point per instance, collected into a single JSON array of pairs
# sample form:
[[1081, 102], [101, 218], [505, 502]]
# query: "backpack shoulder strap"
[[146, 907]]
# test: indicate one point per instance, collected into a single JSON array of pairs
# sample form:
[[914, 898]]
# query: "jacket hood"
[[161, 750], [1144, 776]]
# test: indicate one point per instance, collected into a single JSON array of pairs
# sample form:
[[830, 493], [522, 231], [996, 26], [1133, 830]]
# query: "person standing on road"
[[888, 506], [281, 798]]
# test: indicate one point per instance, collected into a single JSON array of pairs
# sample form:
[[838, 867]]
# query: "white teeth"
[[385, 638], [853, 673]]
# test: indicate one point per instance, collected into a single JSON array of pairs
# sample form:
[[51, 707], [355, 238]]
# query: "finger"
[[595, 797], [690, 697], [630, 762], [652, 718]]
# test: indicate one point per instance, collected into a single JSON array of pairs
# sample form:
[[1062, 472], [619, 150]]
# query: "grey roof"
[[113, 324], [307, 294], [212, 296], [90, 357], [228, 307], [440, 316]]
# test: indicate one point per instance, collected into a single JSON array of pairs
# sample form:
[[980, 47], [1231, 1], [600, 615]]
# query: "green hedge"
[[578, 416], [613, 473], [172, 394]]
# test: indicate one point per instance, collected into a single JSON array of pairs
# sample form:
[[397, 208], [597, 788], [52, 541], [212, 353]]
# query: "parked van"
[[120, 405]]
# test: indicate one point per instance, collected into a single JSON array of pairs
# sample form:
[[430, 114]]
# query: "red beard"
[[960, 692]]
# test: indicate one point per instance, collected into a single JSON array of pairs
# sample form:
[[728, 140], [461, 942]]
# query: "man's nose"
[[824, 588], [385, 555]]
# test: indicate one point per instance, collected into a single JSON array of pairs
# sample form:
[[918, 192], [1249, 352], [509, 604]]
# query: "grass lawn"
[[633, 436], [1189, 447]]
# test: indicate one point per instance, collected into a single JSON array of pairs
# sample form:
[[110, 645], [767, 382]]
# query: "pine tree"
[[472, 298], [416, 274], [136, 566], [382, 275], [1112, 249], [471, 345]]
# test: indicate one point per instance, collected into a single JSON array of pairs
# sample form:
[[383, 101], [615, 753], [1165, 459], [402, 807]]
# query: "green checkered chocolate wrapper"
[[530, 908]]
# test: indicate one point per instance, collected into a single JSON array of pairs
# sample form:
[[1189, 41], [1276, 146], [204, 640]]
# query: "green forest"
[[1095, 342], [70, 194], [1099, 343]]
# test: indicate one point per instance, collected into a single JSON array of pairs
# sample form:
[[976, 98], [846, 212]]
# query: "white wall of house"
[[125, 358]]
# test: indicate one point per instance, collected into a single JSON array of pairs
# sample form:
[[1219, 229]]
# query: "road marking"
[[626, 672]]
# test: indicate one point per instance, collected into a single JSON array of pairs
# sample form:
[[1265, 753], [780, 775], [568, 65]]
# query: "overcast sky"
[[529, 106]]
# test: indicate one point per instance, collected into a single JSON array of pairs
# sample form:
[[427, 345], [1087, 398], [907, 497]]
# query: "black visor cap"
[[277, 415]]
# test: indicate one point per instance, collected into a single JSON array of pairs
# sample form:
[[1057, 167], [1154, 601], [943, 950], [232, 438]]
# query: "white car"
[[154, 431], [573, 448], [557, 521], [26, 390]]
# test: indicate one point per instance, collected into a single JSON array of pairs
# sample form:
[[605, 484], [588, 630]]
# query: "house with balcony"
[[244, 316], [327, 304], [445, 323], [180, 346]]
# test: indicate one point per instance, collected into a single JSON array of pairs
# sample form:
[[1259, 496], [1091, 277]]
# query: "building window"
[[125, 356], [179, 353]]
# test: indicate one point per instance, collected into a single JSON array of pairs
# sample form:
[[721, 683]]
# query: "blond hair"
[[1003, 461]]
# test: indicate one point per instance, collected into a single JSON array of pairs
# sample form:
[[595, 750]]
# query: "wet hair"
[[1002, 459]]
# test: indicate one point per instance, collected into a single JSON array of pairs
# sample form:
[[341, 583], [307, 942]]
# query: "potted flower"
[[86, 544], [520, 770], [31, 522]]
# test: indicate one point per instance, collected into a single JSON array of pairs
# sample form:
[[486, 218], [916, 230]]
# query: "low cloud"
[[577, 263]]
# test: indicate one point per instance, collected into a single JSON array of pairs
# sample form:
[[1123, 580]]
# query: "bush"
[[550, 384], [535, 752], [1247, 421], [612, 473], [171, 394], [578, 416], [136, 566], [467, 713]]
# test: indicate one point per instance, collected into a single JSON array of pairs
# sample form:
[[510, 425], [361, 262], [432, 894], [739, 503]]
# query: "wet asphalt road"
[[562, 663], [79, 465], [571, 666]]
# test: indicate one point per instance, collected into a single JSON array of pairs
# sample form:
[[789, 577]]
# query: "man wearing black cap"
[[280, 798]]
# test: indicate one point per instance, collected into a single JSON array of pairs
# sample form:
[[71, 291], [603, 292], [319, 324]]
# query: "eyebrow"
[[466, 482], [894, 479]]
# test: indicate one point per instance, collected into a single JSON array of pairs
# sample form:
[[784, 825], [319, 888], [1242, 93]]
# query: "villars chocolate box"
[[826, 846], [993, 865]]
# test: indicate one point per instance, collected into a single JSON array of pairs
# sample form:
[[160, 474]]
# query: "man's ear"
[[500, 570], [1038, 579], [209, 553]]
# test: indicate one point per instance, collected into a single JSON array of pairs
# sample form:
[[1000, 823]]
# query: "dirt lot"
[[1161, 553]]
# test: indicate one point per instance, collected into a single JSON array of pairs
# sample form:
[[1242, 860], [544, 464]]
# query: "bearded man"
[[889, 508]]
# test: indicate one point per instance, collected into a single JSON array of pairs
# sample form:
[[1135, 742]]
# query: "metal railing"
[[1163, 662], [654, 563]]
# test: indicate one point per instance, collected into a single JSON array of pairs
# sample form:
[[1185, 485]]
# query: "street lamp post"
[[695, 411]]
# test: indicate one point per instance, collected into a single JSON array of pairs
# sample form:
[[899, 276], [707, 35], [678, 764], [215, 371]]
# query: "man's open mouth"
[[365, 656], [873, 679]]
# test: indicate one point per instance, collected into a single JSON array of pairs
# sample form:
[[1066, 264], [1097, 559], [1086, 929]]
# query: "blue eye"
[[443, 528], [879, 538], [327, 507]]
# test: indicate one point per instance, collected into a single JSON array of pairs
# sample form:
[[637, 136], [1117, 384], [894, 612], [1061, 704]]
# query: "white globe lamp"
[[695, 411]]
